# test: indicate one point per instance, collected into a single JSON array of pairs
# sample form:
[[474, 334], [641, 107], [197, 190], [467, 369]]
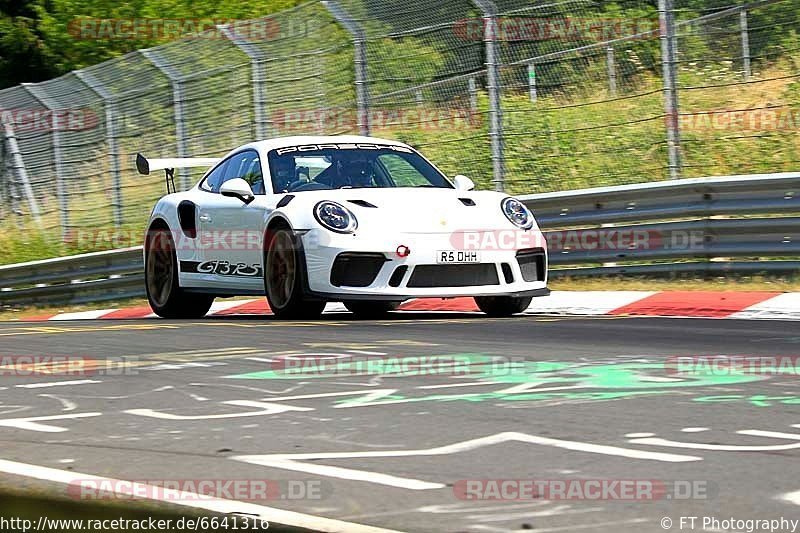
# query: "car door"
[[232, 229]]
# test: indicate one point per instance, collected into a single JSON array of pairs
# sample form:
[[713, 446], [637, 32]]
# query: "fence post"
[[612, 71], [17, 166], [473, 94], [176, 80], [668, 67], [532, 81], [745, 44], [489, 10], [360, 49], [61, 186], [257, 58], [110, 106]]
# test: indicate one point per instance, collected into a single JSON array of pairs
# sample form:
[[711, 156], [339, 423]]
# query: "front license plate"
[[457, 256]]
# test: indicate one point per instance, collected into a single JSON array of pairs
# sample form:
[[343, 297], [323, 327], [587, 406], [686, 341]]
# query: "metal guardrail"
[[92, 277], [663, 228], [697, 225]]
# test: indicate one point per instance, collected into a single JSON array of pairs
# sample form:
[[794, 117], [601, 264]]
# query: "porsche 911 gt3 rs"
[[364, 221]]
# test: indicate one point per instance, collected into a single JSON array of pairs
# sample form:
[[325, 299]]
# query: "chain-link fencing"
[[519, 96]]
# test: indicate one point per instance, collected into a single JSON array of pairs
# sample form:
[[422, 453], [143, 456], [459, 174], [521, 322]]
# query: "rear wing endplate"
[[168, 165]]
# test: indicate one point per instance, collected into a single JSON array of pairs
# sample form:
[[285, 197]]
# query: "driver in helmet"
[[355, 170], [283, 173]]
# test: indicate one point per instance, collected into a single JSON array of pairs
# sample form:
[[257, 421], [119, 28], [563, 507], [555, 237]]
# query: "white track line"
[[32, 423], [297, 461], [791, 497], [585, 302], [189, 499], [56, 384], [781, 307], [222, 305], [497, 439], [82, 315]]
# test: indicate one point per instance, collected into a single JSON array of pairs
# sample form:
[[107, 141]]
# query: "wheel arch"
[[280, 221], [158, 223]]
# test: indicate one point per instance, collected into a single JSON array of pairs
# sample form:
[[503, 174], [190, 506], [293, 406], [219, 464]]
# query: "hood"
[[416, 210]]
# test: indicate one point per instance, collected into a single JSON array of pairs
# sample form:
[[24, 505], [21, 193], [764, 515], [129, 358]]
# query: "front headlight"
[[335, 217], [517, 213]]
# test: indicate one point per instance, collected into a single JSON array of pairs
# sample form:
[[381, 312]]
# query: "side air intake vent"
[[285, 200], [186, 218], [362, 203]]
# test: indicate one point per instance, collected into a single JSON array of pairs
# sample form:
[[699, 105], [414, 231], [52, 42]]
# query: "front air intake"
[[356, 269], [532, 264], [454, 275]]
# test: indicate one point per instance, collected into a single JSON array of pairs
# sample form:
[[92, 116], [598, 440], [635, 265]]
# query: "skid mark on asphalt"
[[576, 527], [491, 513]]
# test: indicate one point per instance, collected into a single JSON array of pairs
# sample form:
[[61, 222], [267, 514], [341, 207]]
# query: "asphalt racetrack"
[[442, 435]]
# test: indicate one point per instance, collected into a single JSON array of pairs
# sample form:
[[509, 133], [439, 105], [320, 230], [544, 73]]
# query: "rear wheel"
[[283, 278], [370, 309], [499, 306], [164, 294]]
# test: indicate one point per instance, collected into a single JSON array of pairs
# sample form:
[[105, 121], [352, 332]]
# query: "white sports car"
[[364, 221]]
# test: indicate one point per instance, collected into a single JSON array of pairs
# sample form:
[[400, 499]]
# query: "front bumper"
[[372, 269]]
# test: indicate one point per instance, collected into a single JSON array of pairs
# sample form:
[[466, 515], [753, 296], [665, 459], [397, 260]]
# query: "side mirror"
[[238, 188], [463, 183]]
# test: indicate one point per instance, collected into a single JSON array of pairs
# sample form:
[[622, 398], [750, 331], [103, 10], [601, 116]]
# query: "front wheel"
[[283, 278], [164, 294], [369, 308], [500, 306]]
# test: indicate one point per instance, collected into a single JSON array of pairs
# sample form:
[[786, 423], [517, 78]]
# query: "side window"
[[246, 165], [214, 180], [402, 171]]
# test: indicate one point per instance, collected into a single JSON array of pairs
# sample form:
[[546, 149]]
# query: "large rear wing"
[[168, 165]]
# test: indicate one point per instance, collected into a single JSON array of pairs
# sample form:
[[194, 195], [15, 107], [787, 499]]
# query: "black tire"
[[164, 294], [370, 308], [284, 278], [500, 306]]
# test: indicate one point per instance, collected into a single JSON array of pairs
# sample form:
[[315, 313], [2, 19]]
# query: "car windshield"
[[340, 166]]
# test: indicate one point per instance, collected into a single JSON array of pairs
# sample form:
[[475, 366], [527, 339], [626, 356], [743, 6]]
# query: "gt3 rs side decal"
[[221, 268]]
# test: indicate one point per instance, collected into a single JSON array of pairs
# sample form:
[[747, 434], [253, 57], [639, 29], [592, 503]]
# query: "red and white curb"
[[705, 304]]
